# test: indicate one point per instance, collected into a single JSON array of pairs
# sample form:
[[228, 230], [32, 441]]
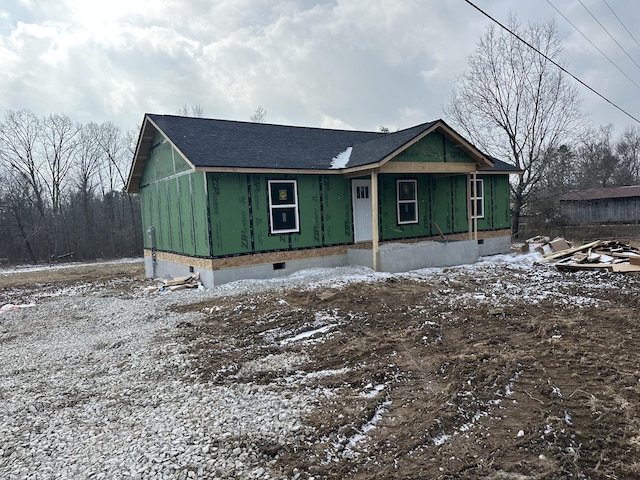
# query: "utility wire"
[[608, 33], [552, 61], [594, 45], [623, 25]]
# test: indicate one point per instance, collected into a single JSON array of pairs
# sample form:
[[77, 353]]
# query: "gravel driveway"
[[92, 385]]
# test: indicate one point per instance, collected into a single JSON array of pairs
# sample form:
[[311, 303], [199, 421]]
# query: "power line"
[[593, 44], [552, 61], [608, 33], [623, 25]]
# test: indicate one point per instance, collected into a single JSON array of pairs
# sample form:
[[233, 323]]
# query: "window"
[[362, 192], [407, 201], [283, 206], [477, 198]]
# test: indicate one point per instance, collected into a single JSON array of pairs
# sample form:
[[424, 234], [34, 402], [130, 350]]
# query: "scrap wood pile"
[[178, 283], [608, 255]]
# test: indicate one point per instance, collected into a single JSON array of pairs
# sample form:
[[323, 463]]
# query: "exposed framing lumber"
[[569, 251]]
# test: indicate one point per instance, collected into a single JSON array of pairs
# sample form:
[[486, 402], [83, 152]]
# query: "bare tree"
[[260, 115], [516, 105], [59, 140], [628, 151], [114, 150], [194, 110], [597, 163], [19, 136]]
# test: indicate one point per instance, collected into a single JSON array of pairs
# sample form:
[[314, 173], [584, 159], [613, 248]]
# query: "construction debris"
[[178, 283], [606, 255], [10, 307]]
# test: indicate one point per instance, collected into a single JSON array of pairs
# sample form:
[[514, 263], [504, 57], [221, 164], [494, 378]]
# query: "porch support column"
[[469, 207], [474, 177], [375, 238]]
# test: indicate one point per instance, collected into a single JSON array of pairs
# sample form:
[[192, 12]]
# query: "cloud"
[[348, 63]]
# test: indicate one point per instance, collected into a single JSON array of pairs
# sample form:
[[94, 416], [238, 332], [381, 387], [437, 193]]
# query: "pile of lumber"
[[607, 255], [178, 283]]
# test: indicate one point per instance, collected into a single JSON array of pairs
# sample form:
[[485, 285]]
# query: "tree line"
[[517, 103], [62, 190], [597, 160]]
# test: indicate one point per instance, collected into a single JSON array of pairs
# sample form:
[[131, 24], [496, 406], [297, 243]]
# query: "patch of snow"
[[307, 334], [367, 427], [441, 439], [567, 418], [325, 373], [62, 266], [373, 392], [341, 160]]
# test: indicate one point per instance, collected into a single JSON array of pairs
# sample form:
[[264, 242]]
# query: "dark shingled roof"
[[222, 143], [376, 149], [210, 144], [500, 166], [602, 193]]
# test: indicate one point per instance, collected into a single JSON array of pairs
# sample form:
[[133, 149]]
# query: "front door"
[[361, 198]]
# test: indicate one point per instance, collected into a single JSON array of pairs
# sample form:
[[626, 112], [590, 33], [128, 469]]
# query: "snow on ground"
[[62, 266]]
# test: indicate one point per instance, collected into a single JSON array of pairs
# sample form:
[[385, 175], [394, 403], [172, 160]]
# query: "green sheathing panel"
[[146, 214], [442, 203], [337, 210], [200, 214], [174, 202], [459, 203], [229, 213], [163, 231], [160, 163], [310, 213], [175, 216], [453, 152], [387, 205], [262, 240], [185, 214], [433, 148], [500, 214], [324, 206]]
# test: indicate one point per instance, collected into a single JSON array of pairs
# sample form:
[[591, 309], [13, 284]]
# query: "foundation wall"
[[392, 257]]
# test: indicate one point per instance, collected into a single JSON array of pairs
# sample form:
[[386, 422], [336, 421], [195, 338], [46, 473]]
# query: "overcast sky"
[[354, 64]]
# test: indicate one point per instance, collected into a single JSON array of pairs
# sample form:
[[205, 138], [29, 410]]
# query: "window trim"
[[474, 198], [273, 208], [400, 202]]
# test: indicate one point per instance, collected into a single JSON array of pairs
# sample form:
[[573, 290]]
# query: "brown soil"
[[22, 287], [516, 390]]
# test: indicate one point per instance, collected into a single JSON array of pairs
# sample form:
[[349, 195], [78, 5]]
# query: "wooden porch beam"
[[427, 167]]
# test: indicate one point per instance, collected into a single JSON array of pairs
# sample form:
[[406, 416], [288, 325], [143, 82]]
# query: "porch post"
[[374, 218], [470, 213], [475, 204]]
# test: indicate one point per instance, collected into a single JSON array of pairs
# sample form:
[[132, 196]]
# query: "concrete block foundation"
[[392, 258]]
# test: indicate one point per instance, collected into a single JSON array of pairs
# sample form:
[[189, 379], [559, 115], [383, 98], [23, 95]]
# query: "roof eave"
[[139, 157]]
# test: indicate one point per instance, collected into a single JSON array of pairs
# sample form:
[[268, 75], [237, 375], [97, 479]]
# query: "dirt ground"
[[492, 373]]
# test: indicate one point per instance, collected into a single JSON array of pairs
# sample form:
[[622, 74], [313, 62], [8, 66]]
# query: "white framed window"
[[283, 206], [407, 200], [477, 198]]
